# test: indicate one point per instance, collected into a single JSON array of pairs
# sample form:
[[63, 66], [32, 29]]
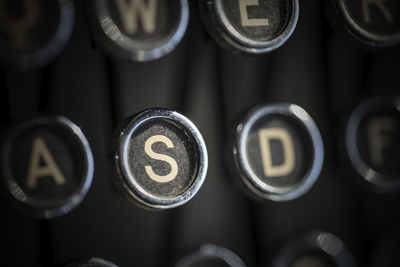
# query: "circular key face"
[[278, 151], [373, 22], [250, 26], [47, 166], [315, 249], [139, 30], [91, 262], [372, 142], [213, 256], [160, 159], [33, 32]]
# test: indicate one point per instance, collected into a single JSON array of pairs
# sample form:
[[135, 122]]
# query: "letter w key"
[[133, 10]]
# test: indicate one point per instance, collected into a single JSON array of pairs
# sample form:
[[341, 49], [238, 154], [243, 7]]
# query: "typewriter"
[[200, 133]]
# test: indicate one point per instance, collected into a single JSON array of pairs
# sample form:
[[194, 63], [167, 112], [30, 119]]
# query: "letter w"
[[131, 10]]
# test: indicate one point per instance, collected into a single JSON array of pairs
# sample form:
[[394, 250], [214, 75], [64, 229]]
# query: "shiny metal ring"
[[117, 43], [325, 243], [16, 194], [251, 180], [361, 34], [380, 181], [212, 252], [125, 178]]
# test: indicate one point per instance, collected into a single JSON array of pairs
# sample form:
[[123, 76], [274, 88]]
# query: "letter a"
[[49, 169]]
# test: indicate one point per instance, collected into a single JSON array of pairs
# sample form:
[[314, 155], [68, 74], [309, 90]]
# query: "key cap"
[[250, 26], [372, 22], [372, 143], [139, 30], [33, 32], [47, 166], [91, 262], [160, 159], [211, 255], [278, 152], [315, 249]]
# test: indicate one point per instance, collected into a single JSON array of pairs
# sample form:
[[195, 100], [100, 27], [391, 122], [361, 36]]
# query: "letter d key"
[[278, 152]]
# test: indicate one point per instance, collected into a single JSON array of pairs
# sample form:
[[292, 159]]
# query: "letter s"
[[149, 151]]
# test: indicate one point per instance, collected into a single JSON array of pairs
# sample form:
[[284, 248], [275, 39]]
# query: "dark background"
[[320, 68]]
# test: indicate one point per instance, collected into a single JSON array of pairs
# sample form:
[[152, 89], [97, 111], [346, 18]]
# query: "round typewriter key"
[[373, 22], [139, 30], [211, 255], [372, 142], [91, 262], [160, 159], [315, 249], [250, 26], [47, 166], [33, 32], [278, 151]]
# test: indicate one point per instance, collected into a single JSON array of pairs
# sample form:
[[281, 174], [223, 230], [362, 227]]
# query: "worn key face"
[[372, 142], [47, 166], [373, 22], [250, 26], [139, 30], [33, 32], [160, 159], [278, 151]]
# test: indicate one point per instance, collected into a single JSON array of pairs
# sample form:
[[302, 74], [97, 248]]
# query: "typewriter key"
[[139, 30], [278, 152], [372, 143], [47, 166], [160, 159], [91, 262], [372, 22], [250, 26], [211, 255], [33, 32], [315, 249]]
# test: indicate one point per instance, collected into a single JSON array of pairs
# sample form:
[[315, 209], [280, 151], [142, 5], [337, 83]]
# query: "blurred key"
[[372, 143], [33, 32], [91, 262], [47, 166], [315, 249], [139, 30], [211, 255], [372, 22]]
